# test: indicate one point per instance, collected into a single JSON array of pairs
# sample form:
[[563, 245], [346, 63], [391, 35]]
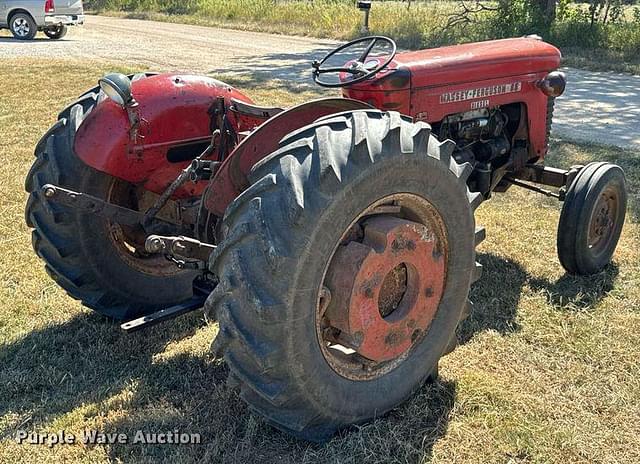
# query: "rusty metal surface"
[[184, 247], [603, 221], [335, 345], [173, 111], [541, 174], [231, 178], [129, 240], [385, 291], [90, 204]]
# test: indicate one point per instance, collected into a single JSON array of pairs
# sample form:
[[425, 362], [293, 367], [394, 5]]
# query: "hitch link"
[[90, 204], [194, 254]]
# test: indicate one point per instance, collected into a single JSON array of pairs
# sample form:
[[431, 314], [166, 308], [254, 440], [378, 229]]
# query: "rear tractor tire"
[[592, 217], [344, 271], [97, 262]]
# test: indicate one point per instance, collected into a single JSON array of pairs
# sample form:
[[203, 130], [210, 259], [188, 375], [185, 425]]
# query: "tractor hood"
[[459, 64], [478, 61]]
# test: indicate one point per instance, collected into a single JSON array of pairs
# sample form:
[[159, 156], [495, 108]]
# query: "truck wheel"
[[344, 271], [56, 32], [22, 26], [96, 261], [592, 218]]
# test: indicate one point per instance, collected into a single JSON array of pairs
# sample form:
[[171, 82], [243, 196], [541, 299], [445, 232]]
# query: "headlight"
[[117, 87], [553, 85]]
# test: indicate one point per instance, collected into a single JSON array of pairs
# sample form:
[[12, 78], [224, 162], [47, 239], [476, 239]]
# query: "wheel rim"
[[21, 27], [54, 31], [129, 240], [603, 221], [382, 287]]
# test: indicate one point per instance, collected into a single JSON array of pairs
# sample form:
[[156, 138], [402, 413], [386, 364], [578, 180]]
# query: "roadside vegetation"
[[599, 34], [547, 370]]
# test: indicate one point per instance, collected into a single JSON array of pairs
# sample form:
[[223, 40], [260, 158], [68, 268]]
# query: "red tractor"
[[334, 241]]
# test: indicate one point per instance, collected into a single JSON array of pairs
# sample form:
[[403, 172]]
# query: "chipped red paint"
[[173, 110], [231, 179], [356, 282]]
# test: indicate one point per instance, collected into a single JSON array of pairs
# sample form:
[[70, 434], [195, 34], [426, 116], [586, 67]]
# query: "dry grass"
[[420, 26], [548, 369], [322, 18]]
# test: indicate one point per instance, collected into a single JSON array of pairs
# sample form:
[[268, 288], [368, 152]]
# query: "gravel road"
[[597, 107]]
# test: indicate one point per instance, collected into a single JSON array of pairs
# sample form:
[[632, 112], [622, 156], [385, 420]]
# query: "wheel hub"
[[603, 221], [385, 290]]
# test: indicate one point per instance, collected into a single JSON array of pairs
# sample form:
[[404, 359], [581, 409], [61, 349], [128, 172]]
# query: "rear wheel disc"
[[382, 287], [129, 241]]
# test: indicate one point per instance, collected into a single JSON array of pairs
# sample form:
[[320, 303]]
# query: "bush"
[[626, 39], [576, 27], [518, 18], [579, 34]]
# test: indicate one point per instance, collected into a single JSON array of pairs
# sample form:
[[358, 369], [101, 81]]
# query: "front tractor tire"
[[592, 217], [359, 217], [100, 263]]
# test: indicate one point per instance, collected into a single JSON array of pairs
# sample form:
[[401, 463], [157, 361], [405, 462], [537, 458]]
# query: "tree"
[[548, 8]]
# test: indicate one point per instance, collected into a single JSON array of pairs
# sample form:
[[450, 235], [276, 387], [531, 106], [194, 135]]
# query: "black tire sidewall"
[[53, 34], [33, 28], [135, 286], [77, 247], [337, 395], [603, 177], [580, 202]]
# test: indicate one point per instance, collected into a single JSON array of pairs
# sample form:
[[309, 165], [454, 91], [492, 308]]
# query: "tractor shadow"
[[88, 368], [497, 294], [232, 434], [629, 161], [86, 360], [563, 153]]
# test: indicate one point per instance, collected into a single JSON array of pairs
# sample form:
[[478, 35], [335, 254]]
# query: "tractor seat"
[[256, 111]]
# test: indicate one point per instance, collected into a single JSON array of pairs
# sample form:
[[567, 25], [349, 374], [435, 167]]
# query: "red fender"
[[231, 178], [174, 111]]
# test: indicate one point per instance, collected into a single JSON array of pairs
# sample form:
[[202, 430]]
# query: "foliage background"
[[607, 26]]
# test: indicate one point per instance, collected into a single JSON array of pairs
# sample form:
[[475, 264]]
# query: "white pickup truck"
[[26, 17]]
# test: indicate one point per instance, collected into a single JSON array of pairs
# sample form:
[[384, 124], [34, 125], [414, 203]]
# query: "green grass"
[[547, 370]]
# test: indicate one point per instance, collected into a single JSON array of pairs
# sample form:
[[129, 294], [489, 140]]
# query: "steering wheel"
[[360, 68]]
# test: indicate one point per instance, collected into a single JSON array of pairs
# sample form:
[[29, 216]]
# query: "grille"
[[550, 103]]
